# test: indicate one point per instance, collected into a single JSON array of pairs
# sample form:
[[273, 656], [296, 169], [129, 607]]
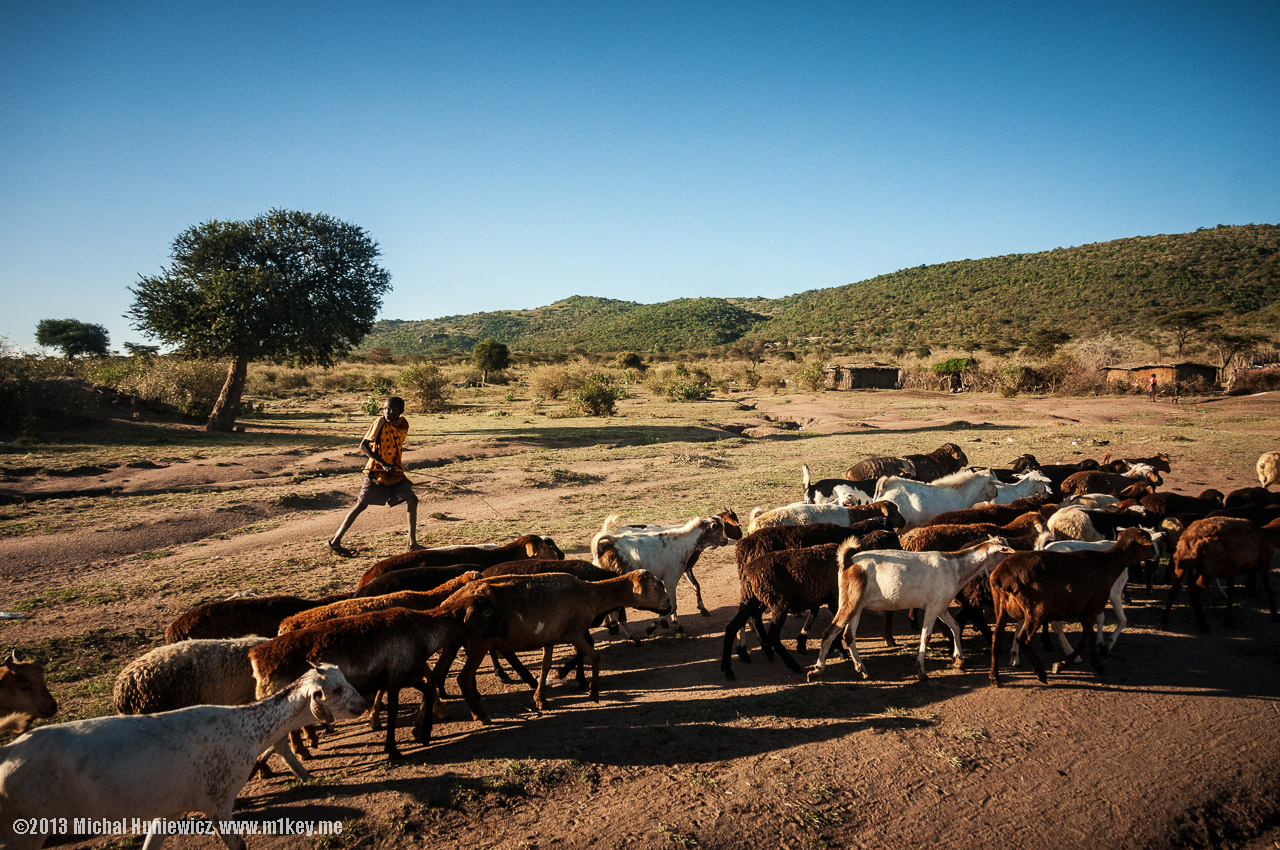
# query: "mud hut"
[[1166, 374], [860, 376]]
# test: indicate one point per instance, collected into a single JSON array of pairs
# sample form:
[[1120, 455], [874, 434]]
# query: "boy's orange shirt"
[[388, 439]]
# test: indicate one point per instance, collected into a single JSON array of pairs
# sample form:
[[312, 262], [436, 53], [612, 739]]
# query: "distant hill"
[[1113, 286]]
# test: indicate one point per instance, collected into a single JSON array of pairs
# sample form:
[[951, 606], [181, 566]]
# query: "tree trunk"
[[227, 407]]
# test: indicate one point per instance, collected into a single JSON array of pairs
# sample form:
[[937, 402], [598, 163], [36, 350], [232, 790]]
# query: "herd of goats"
[[1039, 544]]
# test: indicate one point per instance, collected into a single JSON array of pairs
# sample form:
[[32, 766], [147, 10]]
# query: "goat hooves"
[[743, 655], [704, 612], [395, 755], [958, 664], [814, 675], [728, 674], [1103, 649]]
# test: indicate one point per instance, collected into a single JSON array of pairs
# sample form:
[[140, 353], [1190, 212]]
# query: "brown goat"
[[940, 462], [1097, 481], [525, 546], [1221, 548], [383, 650], [545, 610], [992, 514], [952, 538], [1039, 587], [413, 600], [242, 617], [1166, 504], [23, 692]]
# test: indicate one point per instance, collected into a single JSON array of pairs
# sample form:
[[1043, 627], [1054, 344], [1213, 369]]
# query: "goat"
[[477, 557], [799, 513], [890, 581], [414, 600], [384, 650], [190, 672], [1115, 597], [942, 461], [421, 579], [543, 611], [781, 537], [1097, 481], [1056, 472], [1039, 587], [1028, 485], [1268, 469], [732, 531], [1160, 463], [157, 765], [1221, 548], [952, 538], [665, 553], [1169, 504], [1249, 496], [828, 491], [992, 514], [920, 502], [241, 617], [24, 693]]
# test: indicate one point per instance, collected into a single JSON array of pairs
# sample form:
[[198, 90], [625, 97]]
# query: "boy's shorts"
[[373, 493]]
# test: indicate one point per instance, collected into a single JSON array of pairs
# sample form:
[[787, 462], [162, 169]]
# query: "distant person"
[[1177, 392], [384, 480], [1151, 387]]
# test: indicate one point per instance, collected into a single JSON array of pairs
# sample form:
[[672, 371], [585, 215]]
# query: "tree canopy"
[[73, 337], [489, 355], [289, 287]]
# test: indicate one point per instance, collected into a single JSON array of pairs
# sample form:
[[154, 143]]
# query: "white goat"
[[164, 765], [920, 502], [884, 580], [1033, 483], [664, 553]]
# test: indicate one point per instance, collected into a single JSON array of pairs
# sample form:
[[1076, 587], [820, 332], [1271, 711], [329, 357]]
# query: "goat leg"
[[731, 631]]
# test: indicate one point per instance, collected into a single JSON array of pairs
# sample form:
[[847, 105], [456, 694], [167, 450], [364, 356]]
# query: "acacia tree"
[[288, 287], [73, 337], [1181, 325], [489, 355]]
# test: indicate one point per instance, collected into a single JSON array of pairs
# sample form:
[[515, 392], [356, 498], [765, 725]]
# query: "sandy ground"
[[1177, 745]]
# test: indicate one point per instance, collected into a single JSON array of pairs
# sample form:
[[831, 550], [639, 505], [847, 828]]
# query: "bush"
[[954, 364], [597, 395], [189, 386], [811, 377], [426, 386], [550, 382]]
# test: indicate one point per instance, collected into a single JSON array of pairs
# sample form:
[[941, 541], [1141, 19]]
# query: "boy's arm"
[[368, 446]]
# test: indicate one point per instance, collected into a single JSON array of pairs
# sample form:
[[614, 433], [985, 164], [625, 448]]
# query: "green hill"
[[1115, 286]]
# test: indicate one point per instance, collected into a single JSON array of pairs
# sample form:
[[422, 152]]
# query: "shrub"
[[190, 386], [426, 386], [811, 377], [597, 395], [550, 382], [954, 364]]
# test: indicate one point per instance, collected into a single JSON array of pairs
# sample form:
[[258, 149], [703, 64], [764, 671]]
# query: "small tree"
[[73, 337], [426, 386], [489, 355], [288, 287]]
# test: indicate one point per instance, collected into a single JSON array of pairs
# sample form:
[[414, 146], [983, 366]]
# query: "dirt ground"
[[1176, 745]]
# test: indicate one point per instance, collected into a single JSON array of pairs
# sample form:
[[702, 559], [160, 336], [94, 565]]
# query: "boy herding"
[[384, 480]]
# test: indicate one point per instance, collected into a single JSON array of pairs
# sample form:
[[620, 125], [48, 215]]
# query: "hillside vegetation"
[[1104, 287]]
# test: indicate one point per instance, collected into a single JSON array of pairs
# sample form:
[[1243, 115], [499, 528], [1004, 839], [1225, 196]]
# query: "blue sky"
[[507, 155]]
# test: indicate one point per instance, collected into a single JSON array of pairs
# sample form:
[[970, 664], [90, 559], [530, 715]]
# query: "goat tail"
[[16, 722], [804, 476], [611, 524]]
